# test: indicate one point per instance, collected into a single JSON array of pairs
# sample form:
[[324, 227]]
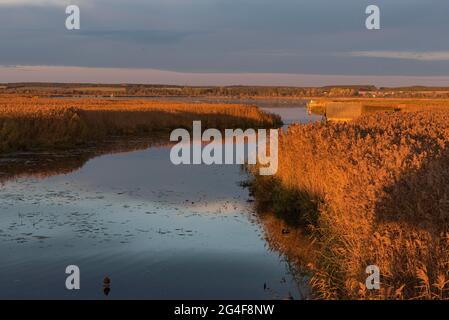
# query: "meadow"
[[370, 192], [28, 123]]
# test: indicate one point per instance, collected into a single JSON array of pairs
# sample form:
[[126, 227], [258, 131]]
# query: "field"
[[28, 123], [370, 192]]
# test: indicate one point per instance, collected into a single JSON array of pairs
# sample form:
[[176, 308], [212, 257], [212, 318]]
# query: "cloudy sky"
[[237, 41]]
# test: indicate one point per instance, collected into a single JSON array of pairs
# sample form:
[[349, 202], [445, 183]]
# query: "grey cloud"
[[137, 36], [407, 55], [293, 36]]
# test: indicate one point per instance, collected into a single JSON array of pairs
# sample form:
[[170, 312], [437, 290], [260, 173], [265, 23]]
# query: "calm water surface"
[[159, 231]]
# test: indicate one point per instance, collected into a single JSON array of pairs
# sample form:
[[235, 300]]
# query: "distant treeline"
[[61, 89]]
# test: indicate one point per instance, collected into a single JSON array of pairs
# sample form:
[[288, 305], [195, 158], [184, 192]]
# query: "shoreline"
[[28, 123]]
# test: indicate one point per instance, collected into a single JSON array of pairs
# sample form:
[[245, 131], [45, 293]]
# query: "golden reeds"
[[27, 123], [371, 192]]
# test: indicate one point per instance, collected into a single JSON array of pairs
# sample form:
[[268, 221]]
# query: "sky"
[[277, 42]]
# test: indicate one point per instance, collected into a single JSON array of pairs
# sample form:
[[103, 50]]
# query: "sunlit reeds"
[[371, 192], [47, 123]]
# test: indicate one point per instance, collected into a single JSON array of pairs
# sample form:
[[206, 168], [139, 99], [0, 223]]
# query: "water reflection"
[[106, 286], [42, 164], [159, 231]]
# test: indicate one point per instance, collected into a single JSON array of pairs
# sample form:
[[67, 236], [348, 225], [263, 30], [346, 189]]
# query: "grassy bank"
[[371, 192], [29, 123]]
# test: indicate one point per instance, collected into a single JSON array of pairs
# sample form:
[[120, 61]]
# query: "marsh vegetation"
[[373, 191], [30, 123], [370, 192]]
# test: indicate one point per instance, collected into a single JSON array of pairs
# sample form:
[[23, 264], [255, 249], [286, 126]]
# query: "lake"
[[158, 231]]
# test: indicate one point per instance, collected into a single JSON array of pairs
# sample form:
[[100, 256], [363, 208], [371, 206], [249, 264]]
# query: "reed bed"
[[371, 192], [372, 104], [28, 123]]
